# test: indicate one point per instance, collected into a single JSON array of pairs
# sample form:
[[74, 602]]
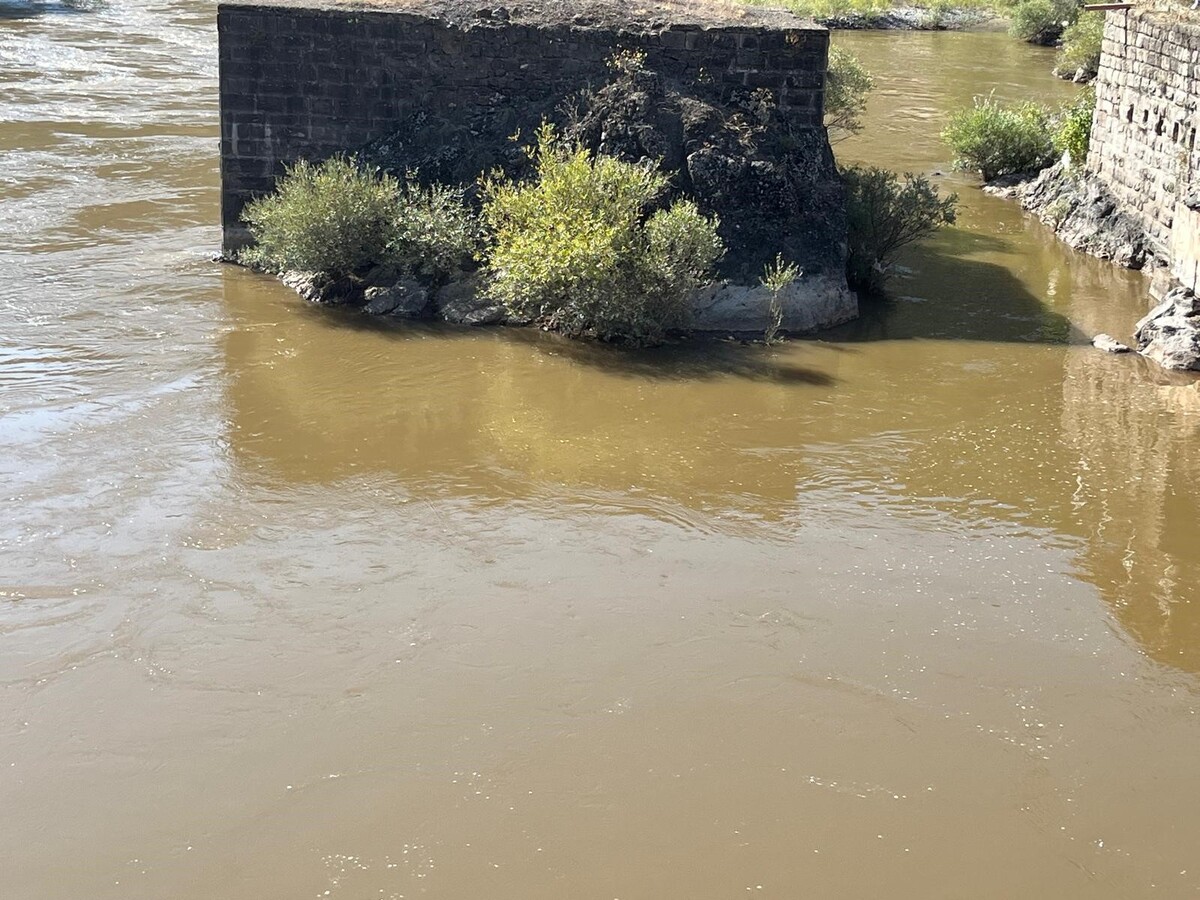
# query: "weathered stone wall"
[[1143, 141], [305, 80]]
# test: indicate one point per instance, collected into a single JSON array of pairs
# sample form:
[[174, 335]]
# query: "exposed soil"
[[653, 15]]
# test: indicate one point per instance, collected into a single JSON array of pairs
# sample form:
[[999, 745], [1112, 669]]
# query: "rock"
[[1170, 333], [462, 302], [318, 287], [1184, 302], [405, 299], [1173, 342], [380, 276], [312, 286], [1009, 187], [1109, 344], [1083, 212], [810, 303], [1163, 308]]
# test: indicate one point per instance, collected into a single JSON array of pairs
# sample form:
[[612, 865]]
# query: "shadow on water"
[[949, 295], [697, 358], [943, 291]]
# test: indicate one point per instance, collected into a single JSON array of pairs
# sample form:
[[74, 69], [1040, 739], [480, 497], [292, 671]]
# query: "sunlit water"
[[297, 605]]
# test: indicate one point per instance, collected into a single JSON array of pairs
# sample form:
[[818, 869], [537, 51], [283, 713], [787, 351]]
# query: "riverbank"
[[1133, 194], [1085, 215]]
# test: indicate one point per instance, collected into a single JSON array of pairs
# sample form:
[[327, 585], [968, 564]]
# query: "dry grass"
[[724, 9]]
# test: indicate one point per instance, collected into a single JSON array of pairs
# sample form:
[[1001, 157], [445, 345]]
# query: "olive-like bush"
[[1042, 21], [847, 84], [578, 249], [334, 218], [340, 219], [434, 232], [996, 139], [1074, 129], [886, 212], [1081, 46]]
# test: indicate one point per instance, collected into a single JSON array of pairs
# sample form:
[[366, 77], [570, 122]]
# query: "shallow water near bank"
[[297, 604]]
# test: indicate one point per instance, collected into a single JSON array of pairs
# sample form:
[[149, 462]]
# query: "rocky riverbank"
[[1085, 215], [1082, 212], [722, 307]]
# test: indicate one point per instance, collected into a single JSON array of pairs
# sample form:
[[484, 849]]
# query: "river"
[[294, 604]]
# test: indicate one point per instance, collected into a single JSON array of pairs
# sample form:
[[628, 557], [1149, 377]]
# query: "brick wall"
[[305, 81], [1144, 135]]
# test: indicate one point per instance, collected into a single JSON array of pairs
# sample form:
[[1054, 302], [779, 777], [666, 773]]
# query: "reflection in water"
[[295, 603], [1117, 473], [984, 433], [500, 413], [1129, 430]]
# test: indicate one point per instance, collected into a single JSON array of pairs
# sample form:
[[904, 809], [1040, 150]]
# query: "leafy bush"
[[334, 218], [846, 87], [1081, 45], [886, 213], [434, 231], [340, 219], [994, 139], [1042, 21], [1075, 127], [574, 248]]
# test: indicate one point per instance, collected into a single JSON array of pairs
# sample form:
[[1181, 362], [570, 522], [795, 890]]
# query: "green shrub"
[[1075, 127], [886, 213], [575, 250], [994, 139], [1042, 21], [434, 231], [341, 219], [1081, 45], [847, 85], [334, 217], [681, 248]]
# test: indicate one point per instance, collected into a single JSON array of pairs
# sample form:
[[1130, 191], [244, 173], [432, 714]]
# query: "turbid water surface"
[[296, 605]]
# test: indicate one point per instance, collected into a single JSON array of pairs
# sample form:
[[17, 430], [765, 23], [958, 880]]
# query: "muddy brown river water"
[[294, 605]]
